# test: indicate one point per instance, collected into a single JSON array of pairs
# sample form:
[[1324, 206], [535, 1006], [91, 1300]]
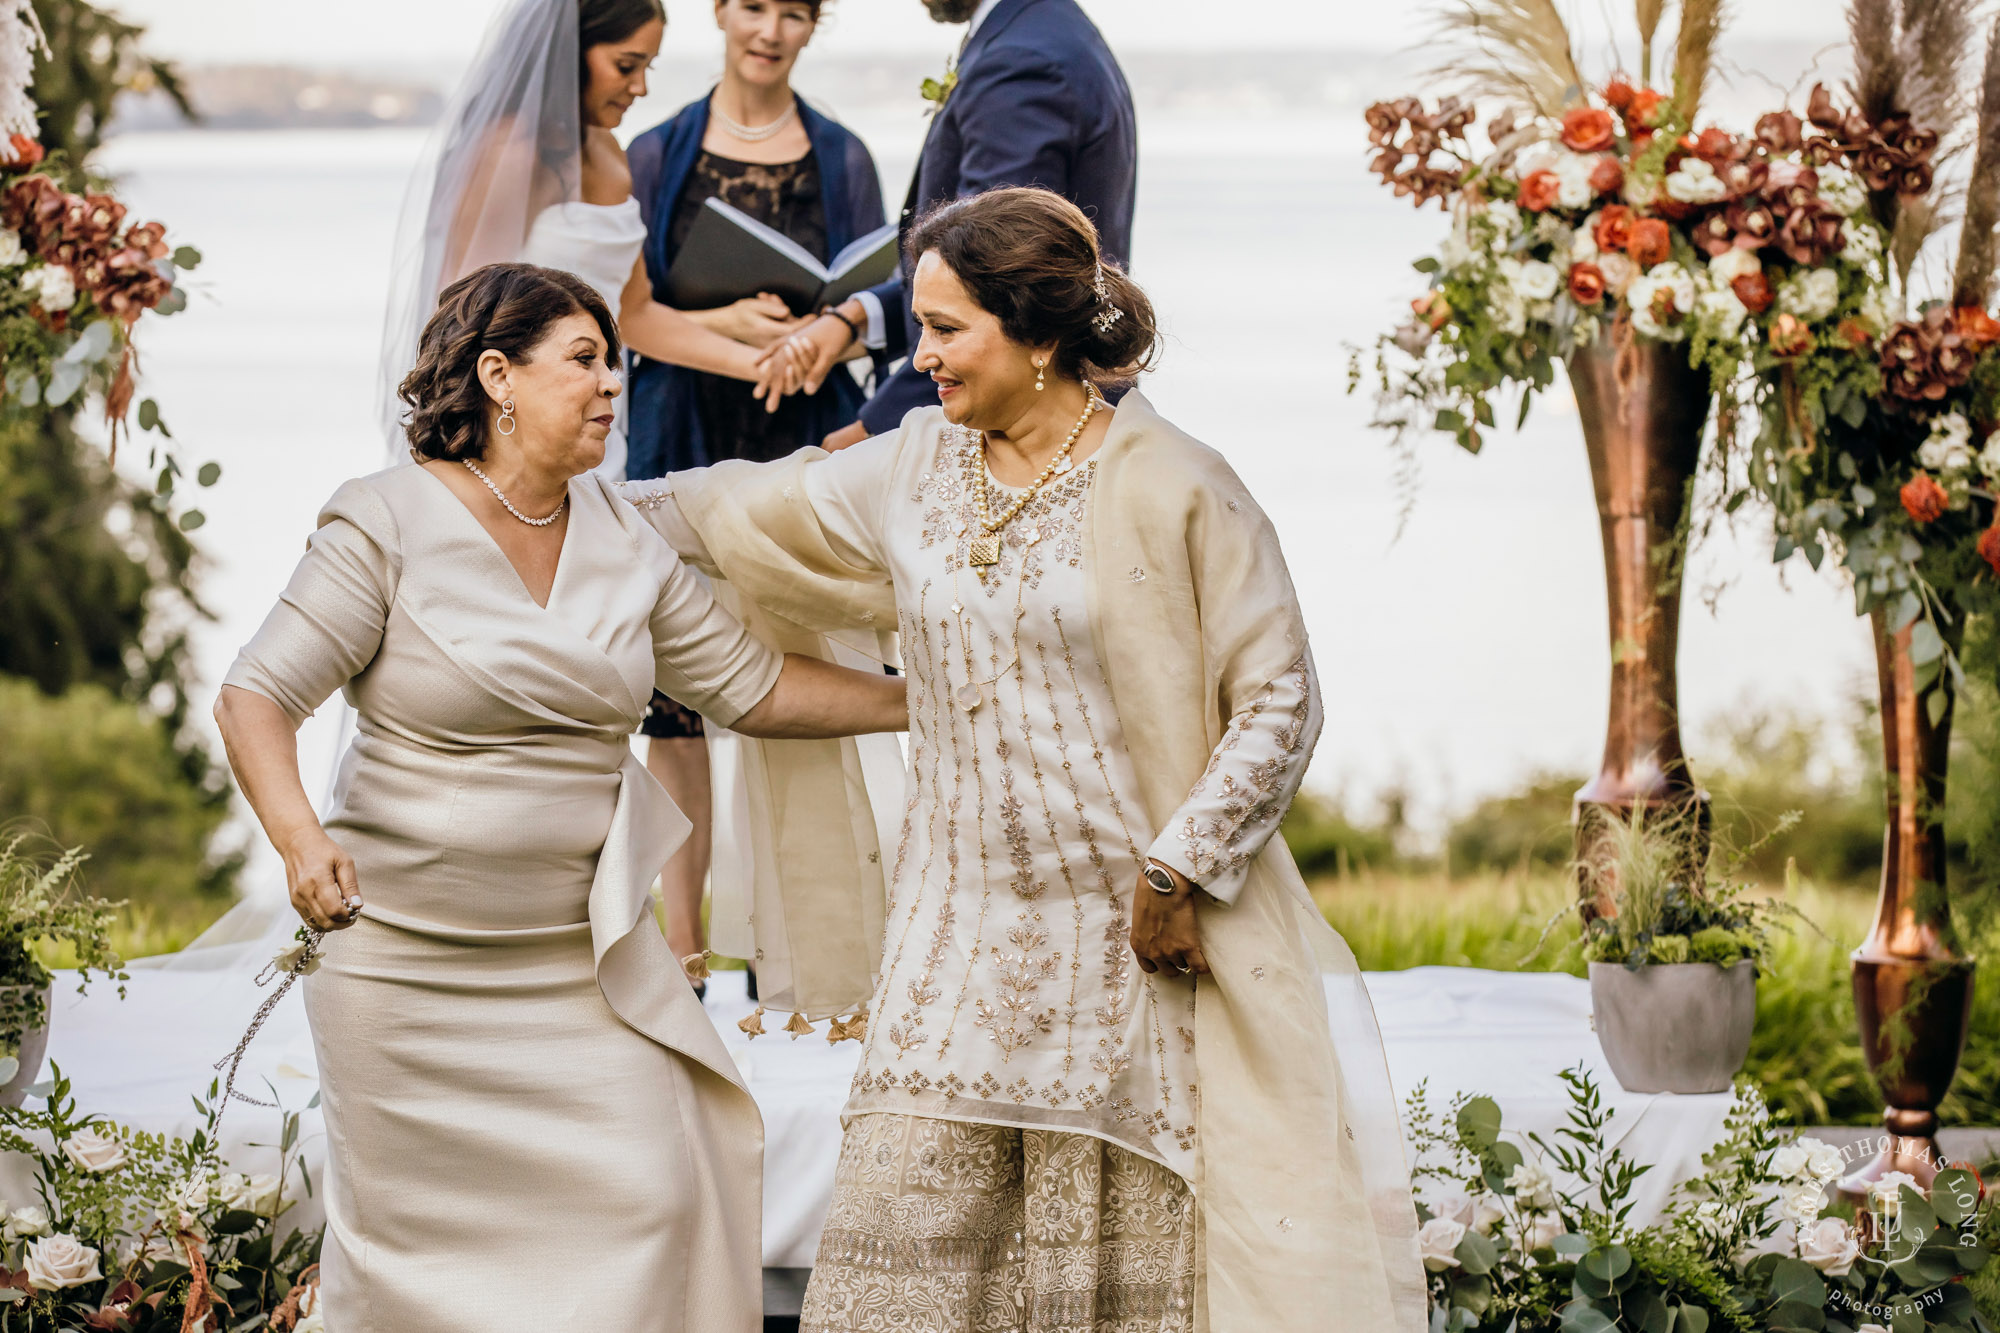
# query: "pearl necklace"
[[986, 550], [746, 133], [473, 468]]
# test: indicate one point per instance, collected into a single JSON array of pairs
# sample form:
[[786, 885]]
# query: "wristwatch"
[[1160, 878]]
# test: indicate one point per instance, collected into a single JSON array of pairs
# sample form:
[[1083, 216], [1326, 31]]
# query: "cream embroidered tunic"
[[1009, 993]]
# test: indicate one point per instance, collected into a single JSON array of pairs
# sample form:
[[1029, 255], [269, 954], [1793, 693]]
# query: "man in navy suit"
[[1040, 100]]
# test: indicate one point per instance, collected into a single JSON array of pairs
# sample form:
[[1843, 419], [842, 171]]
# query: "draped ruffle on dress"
[[531, 1122]]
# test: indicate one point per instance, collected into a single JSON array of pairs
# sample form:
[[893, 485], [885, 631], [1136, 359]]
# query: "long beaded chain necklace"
[[473, 468], [986, 549], [749, 133]]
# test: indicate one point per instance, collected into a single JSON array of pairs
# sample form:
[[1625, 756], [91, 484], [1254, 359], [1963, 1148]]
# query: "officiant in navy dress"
[[1039, 100], [785, 165]]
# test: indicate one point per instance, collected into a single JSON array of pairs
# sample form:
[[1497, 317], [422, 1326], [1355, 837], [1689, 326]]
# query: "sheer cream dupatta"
[[1307, 1215]]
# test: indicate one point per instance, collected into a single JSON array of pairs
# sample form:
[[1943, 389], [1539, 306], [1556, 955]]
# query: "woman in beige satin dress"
[[532, 1124]]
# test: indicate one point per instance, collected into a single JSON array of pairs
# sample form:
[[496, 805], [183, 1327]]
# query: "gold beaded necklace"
[[986, 549]]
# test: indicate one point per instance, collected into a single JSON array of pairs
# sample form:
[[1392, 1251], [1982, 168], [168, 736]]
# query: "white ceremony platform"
[[1504, 1034]]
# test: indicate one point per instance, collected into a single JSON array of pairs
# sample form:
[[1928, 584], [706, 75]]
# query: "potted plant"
[[41, 902], [1673, 972]]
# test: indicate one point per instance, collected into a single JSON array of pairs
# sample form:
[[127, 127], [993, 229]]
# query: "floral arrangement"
[[1608, 205], [132, 1232], [76, 273], [40, 901], [1880, 450], [1540, 1239]]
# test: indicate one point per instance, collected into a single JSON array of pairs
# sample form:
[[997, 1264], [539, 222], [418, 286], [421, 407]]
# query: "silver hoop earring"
[[505, 425], [1041, 369]]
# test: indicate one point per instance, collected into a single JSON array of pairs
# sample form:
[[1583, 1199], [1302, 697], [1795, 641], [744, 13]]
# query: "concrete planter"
[[1674, 1027], [34, 1045]]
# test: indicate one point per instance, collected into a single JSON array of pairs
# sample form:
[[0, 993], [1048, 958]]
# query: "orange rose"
[[1586, 284], [1645, 104], [1790, 336], [1606, 175], [1853, 333], [1989, 546], [1754, 291], [1538, 191], [26, 150], [1618, 94], [1979, 329], [1924, 500], [1587, 130], [1650, 243], [1614, 228]]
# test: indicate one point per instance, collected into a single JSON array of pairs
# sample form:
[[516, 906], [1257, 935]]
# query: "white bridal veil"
[[508, 145]]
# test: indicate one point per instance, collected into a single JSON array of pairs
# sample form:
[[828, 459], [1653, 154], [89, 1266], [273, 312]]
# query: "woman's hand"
[[780, 370], [324, 887], [1164, 930], [758, 320]]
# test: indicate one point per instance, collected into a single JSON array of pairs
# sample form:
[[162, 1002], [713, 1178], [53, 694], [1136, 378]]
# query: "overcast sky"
[[398, 32]]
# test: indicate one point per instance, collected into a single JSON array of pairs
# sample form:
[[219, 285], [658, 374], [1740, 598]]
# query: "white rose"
[[1886, 1193], [1436, 1240], [1509, 311], [1619, 273], [1949, 447], [1487, 1210], [1722, 311], [1842, 189], [1989, 457], [1810, 295], [250, 1194], [288, 955], [1534, 280], [1532, 1186], [1862, 243], [51, 286], [1732, 264], [1803, 1201], [61, 1261], [32, 1220], [1573, 189], [94, 1152], [1457, 1206], [1829, 1245], [1789, 1161], [1677, 284], [1824, 1160], [1695, 182], [11, 250], [1880, 307], [1583, 242], [182, 1207], [1455, 252]]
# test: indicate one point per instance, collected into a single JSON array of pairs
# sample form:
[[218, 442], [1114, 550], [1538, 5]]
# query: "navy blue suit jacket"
[[664, 432], [1040, 101]]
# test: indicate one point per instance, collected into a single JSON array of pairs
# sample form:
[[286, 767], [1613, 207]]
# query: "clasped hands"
[[801, 354]]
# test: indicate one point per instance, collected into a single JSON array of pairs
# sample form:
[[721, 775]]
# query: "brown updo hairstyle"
[[1029, 257], [601, 21], [506, 308]]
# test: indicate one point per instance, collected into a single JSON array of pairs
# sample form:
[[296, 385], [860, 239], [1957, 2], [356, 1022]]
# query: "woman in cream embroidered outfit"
[[532, 1124], [1111, 706]]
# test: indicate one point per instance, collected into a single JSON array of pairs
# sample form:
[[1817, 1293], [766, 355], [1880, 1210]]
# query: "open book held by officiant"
[[730, 255]]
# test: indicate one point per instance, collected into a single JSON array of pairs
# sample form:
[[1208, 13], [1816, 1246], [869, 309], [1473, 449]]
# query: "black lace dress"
[[786, 197]]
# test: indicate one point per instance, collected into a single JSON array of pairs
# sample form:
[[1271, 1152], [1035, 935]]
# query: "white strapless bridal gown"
[[598, 243]]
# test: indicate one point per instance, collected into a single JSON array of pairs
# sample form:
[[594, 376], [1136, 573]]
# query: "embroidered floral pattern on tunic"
[[1218, 843], [966, 1228], [1049, 527]]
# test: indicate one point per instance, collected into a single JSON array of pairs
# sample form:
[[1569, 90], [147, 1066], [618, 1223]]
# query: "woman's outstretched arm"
[[675, 338], [814, 700]]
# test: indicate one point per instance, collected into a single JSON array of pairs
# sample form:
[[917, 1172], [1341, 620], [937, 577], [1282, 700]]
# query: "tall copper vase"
[[1643, 409], [1912, 985]]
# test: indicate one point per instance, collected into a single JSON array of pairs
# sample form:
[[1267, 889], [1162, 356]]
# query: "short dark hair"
[[1030, 258], [506, 308]]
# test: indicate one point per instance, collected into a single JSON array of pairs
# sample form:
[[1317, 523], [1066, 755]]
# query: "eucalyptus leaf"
[[1935, 703], [1479, 1122], [1690, 1319], [1926, 644], [1908, 608], [192, 519], [149, 414], [1795, 1280], [65, 378], [1477, 1253], [1583, 1317], [186, 257], [210, 474]]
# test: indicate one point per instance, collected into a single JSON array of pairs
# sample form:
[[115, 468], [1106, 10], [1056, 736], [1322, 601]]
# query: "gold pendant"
[[985, 551]]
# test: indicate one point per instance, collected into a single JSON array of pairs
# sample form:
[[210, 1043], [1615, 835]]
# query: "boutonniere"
[[938, 91]]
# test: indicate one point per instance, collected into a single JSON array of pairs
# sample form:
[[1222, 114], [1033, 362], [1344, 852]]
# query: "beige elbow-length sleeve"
[[328, 622], [706, 658]]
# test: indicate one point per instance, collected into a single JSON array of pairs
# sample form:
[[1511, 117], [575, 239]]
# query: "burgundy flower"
[[1780, 132], [1606, 175], [1754, 291], [1923, 360], [1923, 499], [1743, 178], [1810, 234], [1713, 235], [1753, 223]]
